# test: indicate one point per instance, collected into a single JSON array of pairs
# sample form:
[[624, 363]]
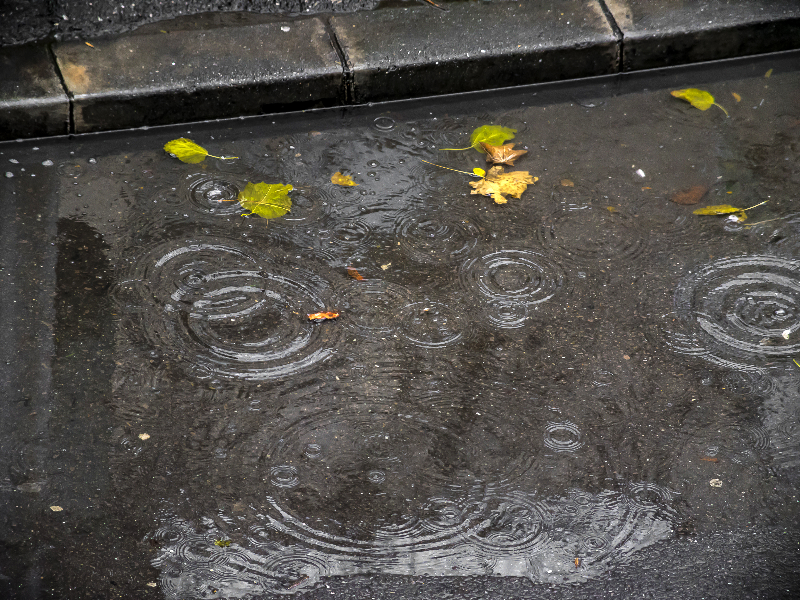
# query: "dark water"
[[589, 385]]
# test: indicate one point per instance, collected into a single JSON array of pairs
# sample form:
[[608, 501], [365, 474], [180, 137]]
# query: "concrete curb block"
[[147, 79]]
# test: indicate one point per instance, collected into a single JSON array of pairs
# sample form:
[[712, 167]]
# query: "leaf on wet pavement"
[[222, 543], [501, 155], [698, 98], [490, 134], [187, 151], [690, 196], [727, 209], [323, 316], [268, 200], [339, 179], [354, 274], [497, 183]]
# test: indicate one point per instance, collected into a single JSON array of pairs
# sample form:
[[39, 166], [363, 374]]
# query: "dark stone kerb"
[[181, 76], [412, 52]]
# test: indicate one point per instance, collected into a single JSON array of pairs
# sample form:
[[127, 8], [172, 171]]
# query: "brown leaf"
[[502, 155], [354, 274], [693, 195], [496, 183], [322, 316]]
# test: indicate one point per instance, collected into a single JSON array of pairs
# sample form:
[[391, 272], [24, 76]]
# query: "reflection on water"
[[543, 390]]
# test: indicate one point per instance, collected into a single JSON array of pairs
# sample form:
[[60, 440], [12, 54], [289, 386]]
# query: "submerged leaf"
[[496, 183], [352, 272], [698, 98], [690, 196], [502, 155], [268, 200], [186, 150], [490, 134], [339, 179], [322, 316]]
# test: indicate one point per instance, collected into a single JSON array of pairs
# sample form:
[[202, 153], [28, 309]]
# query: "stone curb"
[[159, 78]]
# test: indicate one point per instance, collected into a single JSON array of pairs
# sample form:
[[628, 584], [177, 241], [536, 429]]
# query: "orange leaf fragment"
[[322, 316], [709, 459], [354, 274], [501, 155]]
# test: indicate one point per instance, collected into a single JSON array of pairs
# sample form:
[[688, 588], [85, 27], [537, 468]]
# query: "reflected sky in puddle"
[[541, 390]]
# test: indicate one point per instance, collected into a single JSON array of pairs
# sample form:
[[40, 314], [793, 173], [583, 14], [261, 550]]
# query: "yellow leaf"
[[496, 183], [222, 543], [697, 98], [768, 74], [717, 209], [479, 172], [736, 96], [489, 134], [187, 151], [268, 200], [339, 179]]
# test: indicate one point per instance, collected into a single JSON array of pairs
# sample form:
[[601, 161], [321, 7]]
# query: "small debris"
[[56, 508], [386, 266], [151, 584], [144, 436], [715, 483]]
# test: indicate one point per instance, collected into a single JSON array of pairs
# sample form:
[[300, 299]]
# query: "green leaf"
[[698, 98], [268, 200], [494, 135], [186, 150]]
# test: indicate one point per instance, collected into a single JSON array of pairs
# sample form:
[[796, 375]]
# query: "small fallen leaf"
[[726, 209], [768, 74], [715, 483], [322, 316], [491, 134], [501, 155], [187, 151], [268, 200], [88, 44], [479, 172], [144, 436], [354, 274], [386, 266], [698, 98], [222, 543], [577, 561], [690, 196], [339, 179], [496, 183], [709, 459], [56, 508], [567, 183], [736, 96]]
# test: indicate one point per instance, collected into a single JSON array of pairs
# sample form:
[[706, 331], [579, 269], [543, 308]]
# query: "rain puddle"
[[589, 384]]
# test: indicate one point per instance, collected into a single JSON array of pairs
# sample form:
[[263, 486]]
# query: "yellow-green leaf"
[[222, 543], [717, 209], [479, 172], [186, 150], [697, 98], [268, 200], [494, 135], [339, 179]]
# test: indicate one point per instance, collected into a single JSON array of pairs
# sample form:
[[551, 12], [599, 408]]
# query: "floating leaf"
[[268, 200], [502, 155], [726, 209], [690, 196], [736, 96], [187, 151], [322, 316], [339, 179], [354, 274], [698, 98], [768, 74], [496, 183], [491, 134], [222, 543], [479, 172]]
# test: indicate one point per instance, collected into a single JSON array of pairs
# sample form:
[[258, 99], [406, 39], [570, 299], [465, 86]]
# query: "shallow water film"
[[587, 390]]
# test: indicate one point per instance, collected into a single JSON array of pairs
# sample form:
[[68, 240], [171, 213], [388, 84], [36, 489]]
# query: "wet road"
[[588, 385]]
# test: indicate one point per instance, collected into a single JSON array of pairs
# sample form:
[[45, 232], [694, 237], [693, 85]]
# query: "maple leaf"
[[502, 155], [268, 200], [496, 183], [339, 179]]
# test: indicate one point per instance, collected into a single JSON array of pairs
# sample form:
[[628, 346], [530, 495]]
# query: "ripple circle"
[[436, 237]]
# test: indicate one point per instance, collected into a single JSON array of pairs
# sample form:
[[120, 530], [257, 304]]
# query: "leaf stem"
[[755, 205], [449, 169], [722, 109], [457, 149], [223, 157]]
